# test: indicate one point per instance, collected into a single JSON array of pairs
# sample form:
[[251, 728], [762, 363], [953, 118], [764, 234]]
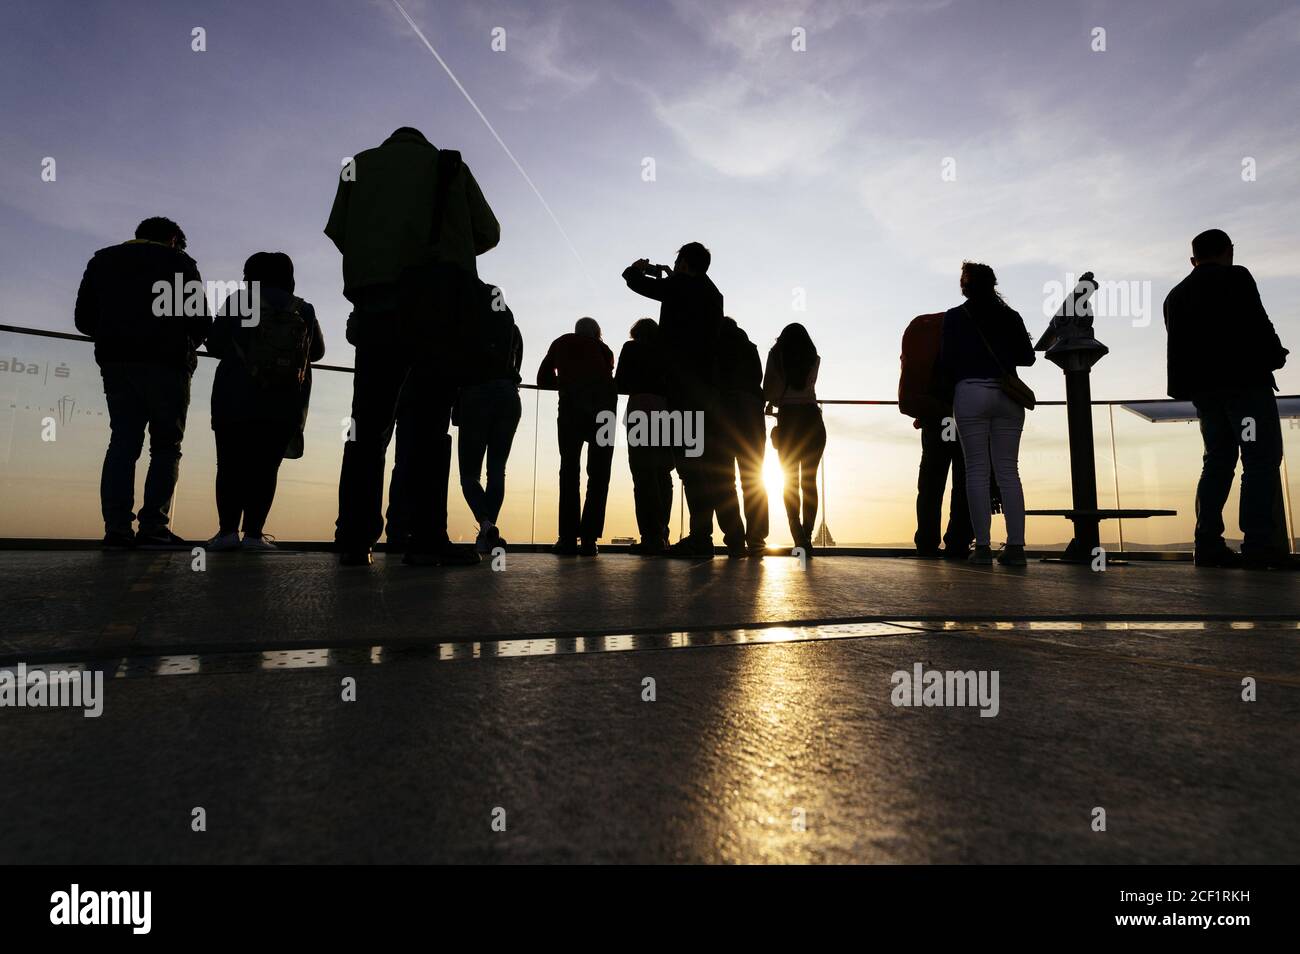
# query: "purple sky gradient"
[[817, 170]]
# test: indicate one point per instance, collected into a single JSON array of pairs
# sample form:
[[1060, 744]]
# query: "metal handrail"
[[67, 336]]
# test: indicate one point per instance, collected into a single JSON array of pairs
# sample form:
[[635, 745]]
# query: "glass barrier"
[[54, 429]]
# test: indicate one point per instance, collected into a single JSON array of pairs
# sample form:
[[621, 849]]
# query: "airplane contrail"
[[470, 99]]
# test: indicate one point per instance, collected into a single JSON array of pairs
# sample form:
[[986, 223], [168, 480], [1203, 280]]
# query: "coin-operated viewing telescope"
[[1069, 343]]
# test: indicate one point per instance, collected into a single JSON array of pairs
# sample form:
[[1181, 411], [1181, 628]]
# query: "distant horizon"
[[1157, 466]]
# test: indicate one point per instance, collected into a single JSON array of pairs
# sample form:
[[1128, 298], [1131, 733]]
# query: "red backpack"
[[920, 391]]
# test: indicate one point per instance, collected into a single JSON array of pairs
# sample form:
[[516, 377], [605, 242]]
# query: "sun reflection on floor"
[[764, 807]]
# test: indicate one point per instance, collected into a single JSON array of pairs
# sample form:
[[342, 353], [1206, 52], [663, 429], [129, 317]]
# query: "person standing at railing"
[[790, 386], [643, 376], [690, 321], [487, 416], [581, 367], [744, 434], [260, 395], [1222, 353], [144, 305], [410, 220], [984, 341], [925, 395]]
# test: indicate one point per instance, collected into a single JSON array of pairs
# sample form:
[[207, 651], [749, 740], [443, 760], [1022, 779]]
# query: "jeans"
[[802, 436], [140, 396], [248, 462], [1225, 418], [390, 368], [577, 425], [489, 415], [989, 425], [937, 456], [652, 478]]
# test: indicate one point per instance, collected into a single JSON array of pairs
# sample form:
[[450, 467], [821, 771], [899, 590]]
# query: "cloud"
[[542, 41], [741, 130], [754, 28], [1272, 40], [766, 109], [547, 44], [545, 47], [1046, 189]]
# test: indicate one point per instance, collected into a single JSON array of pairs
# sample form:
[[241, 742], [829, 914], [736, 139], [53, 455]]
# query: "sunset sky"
[[816, 173]]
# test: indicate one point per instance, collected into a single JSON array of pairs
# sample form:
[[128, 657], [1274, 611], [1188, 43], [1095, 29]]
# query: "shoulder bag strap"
[[448, 164]]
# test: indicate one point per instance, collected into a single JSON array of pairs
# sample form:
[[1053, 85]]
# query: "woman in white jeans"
[[983, 340]]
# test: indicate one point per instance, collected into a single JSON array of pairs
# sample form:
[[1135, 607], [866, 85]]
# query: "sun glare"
[[773, 478]]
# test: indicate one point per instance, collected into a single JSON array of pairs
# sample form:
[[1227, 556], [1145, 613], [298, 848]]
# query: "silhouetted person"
[[260, 394], [581, 367], [983, 340], [744, 432], [409, 220], [145, 342], [925, 395], [690, 321], [789, 385], [487, 416], [1223, 351], [643, 376]]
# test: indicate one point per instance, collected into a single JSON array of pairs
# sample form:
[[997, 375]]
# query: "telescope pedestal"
[[1077, 364]]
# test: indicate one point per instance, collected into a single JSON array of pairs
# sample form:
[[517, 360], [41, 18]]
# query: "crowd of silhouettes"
[[435, 345]]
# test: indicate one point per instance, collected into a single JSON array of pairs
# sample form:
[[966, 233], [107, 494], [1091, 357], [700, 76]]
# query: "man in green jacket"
[[383, 222]]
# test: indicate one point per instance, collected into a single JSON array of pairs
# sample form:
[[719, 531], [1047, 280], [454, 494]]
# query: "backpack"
[[922, 391], [279, 347]]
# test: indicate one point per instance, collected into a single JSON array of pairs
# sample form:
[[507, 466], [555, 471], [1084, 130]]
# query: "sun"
[[773, 476]]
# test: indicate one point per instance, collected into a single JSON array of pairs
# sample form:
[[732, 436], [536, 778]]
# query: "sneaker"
[[1221, 557], [488, 538], [456, 554], [981, 556], [223, 541], [644, 549], [756, 551], [691, 548], [588, 548], [119, 540], [955, 553], [161, 539], [565, 548], [929, 554], [356, 557], [259, 543], [1013, 554], [736, 552]]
